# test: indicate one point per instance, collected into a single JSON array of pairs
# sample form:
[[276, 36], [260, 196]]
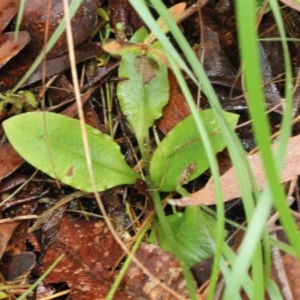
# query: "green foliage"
[[55, 146], [23, 100], [144, 92], [192, 234], [181, 157], [57, 150]]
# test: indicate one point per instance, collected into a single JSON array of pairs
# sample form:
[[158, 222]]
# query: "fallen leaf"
[[292, 4], [122, 12], [8, 8], [176, 109], [229, 182], [10, 160], [13, 266], [292, 269], [6, 231], [14, 70], [164, 266], [90, 251], [10, 42], [34, 21], [10, 45], [12, 181], [175, 12]]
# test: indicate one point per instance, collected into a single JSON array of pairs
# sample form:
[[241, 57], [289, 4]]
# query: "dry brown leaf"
[[6, 231], [8, 8], [164, 266], [176, 109], [292, 4], [292, 269], [90, 251], [34, 20], [13, 266], [229, 183], [10, 160], [10, 45]]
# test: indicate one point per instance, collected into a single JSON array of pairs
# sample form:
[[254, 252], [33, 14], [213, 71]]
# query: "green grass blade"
[[250, 58], [235, 149]]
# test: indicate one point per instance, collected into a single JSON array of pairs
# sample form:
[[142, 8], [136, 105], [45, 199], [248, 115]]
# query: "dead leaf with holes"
[[229, 182]]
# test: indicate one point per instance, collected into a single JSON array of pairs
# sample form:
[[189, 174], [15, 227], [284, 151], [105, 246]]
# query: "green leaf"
[[181, 157], [26, 133], [146, 90], [192, 236]]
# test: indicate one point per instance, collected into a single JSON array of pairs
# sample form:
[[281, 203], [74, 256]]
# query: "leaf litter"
[[87, 269], [229, 182]]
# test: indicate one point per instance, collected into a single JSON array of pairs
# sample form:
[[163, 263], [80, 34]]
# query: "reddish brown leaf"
[[164, 266], [291, 267], [11, 45], [8, 8], [12, 181], [6, 231], [229, 183], [91, 118], [90, 251], [12, 72], [71, 111], [10, 160], [285, 265], [34, 21], [176, 109], [122, 12]]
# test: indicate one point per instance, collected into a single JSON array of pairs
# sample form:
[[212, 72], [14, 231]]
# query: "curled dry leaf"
[[229, 182]]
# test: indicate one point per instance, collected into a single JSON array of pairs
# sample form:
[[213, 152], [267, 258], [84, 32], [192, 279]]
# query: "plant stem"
[[172, 241]]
